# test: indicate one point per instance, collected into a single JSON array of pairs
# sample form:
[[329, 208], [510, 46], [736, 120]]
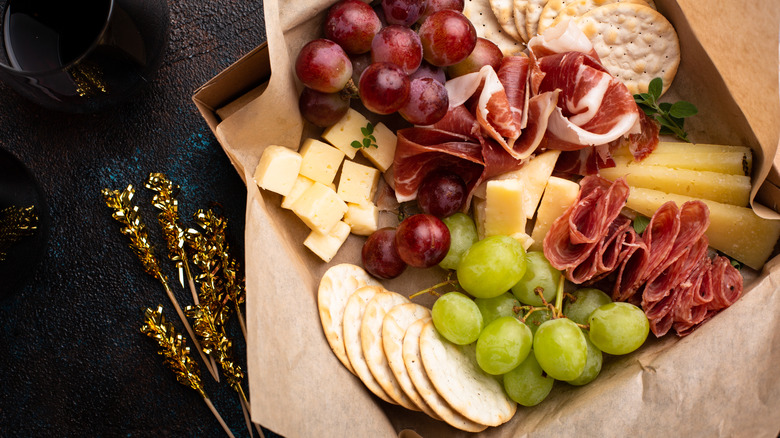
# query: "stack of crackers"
[[391, 344], [634, 41]]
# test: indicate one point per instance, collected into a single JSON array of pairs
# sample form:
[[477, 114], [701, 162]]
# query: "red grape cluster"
[[393, 55], [421, 240]]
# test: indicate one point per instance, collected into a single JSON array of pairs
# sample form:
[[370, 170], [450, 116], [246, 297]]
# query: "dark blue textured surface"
[[72, 359]]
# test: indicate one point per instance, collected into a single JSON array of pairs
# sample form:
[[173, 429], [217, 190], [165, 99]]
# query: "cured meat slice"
[[660, 236], [422, 150], [565, 36], [593, 108], [726, 284], [459, 120], [574, 235], [513, 75], [606, 255]]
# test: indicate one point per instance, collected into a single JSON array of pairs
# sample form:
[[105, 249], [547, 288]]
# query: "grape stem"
[[432, 290], [558, 308]]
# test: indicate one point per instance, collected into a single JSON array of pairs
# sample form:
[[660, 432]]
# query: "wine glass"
[[81, 56]]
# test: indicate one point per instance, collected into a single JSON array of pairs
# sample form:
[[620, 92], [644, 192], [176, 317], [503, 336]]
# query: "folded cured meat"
[[420, 151], [666, 270]]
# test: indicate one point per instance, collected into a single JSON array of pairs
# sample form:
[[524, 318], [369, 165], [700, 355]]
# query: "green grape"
[[496, 307], [539, 273], [463, 234], [592, 365], [491, 266], [584, 303], [618, 328], [536, 318], [503, 345], [457, 318], [528, 384], [561, 349]]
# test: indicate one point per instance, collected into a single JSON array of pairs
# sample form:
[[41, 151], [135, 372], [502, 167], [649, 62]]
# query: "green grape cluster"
[[525, 332]]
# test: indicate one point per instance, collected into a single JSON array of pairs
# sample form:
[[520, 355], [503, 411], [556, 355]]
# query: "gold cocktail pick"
[[211, 330], [218, 253], [173, 232], [16, 223], [177, 357], [133, 227]]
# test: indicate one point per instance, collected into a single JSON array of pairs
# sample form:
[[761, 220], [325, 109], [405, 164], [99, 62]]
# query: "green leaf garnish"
[[368, 139], [669, 116], [641, 223]]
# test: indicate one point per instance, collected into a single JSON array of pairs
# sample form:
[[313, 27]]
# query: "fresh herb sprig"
[[368, 138], [671, 116]]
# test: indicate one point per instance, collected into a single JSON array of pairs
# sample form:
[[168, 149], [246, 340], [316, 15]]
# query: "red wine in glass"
[[81, 56]]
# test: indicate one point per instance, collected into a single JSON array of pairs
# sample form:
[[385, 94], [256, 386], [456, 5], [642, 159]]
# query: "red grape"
[[380, 255], [384, 88], [447, 37], [322, 109], [323, 65], [352, 24], [399, 45], [441, 193], [486, 52], [426, 70], [403, 12], [359, 63], [432, 6], [428, 102], [422, 240]]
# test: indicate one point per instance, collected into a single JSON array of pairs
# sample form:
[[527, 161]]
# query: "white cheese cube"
[[278, 168], [327, 245], [559, 195], [363, 219], [534, 175], [319, 207], [301, 184], [381, 156], [345, 131], [321, 161], [504, 213], [358, 183]]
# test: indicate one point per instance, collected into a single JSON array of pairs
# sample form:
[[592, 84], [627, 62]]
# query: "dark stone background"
[[72, 359]]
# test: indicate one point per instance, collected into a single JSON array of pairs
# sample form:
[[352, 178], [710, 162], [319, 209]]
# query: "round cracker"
[[336, 286], [486, 24], [503, 10], [532, 13], [576, 8], [549, 12], [423, 385], [373, 350], [455, 374], [518, 10], [394, 326], [635, 43], [353, 318]]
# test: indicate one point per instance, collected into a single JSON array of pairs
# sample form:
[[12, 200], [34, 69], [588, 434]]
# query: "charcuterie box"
[[722, 380]]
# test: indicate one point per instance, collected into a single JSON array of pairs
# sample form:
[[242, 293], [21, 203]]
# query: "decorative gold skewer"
[[210, 327], [214, 254], [127, 214], [174, 234], [172, 347]]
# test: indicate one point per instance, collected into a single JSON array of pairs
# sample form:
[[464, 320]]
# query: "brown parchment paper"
[[722, 380]]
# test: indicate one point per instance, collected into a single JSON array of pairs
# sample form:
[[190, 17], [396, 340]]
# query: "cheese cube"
[[327, 245], [358, 182], [345, 131], [381, 156], [278, 168], [319, 207], [363, 219], [559, 195], [301, 184], [534, 175], [504, 213], [321, 161]]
